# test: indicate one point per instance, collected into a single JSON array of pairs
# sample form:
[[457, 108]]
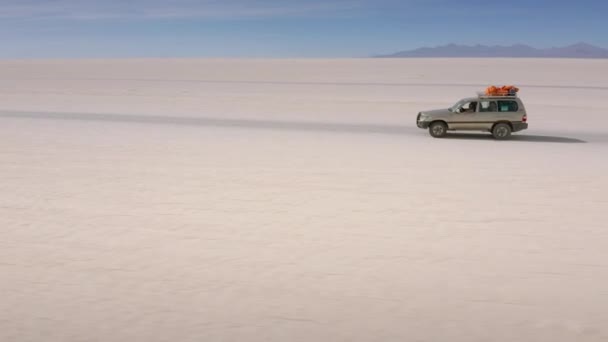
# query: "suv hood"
[[437, 113]]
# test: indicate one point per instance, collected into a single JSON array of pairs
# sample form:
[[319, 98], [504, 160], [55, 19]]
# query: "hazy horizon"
[[286, 29]]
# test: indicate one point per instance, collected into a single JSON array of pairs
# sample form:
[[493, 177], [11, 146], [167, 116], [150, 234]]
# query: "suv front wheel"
[[438, 129], [501, 131]]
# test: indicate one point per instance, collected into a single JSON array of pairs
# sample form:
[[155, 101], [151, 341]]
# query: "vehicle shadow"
[[258, 124], [518, 137]]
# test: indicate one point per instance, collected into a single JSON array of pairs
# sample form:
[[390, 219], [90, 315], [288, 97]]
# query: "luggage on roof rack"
[[507, 90]]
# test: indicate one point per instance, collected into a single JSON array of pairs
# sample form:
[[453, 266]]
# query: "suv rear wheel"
[[501, 131], [438, 129]]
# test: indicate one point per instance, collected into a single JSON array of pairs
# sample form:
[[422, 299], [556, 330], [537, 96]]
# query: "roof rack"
[[482, 94]]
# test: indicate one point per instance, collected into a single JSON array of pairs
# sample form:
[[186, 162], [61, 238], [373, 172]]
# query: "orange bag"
[[502, 91], [491, 90]]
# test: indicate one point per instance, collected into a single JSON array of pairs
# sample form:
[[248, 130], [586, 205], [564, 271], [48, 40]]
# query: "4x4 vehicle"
[[500, 115]]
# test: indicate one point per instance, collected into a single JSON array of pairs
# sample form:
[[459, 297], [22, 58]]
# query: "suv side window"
[[507, 106], [487, 106]]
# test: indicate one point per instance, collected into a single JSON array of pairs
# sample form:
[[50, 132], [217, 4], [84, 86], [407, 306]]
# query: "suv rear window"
[[507, 106]]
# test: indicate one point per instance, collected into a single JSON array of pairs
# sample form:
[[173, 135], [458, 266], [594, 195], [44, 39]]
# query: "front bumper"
[[519, 126], [422, 124]]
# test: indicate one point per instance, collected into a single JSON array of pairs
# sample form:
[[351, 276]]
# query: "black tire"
[[438, 129], [501, 131]]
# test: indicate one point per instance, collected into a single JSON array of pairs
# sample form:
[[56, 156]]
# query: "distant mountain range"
[[580, 50]]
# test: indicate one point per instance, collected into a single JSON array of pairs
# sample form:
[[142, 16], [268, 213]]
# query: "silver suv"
[[500, 115]]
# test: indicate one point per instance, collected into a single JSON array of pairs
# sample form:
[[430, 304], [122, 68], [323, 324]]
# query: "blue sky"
[[286, 28]]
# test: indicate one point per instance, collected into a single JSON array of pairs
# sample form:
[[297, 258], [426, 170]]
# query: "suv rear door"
[[488, 110], [494, 110]]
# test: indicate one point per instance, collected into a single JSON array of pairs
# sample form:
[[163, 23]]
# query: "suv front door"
[[465, 117]]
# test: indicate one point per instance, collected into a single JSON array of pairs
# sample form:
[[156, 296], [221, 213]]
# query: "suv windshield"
[[458, 104]]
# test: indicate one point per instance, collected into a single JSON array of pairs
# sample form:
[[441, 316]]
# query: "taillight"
[[524, 118]]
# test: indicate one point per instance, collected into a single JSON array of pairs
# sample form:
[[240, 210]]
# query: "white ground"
[[259, 200]]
